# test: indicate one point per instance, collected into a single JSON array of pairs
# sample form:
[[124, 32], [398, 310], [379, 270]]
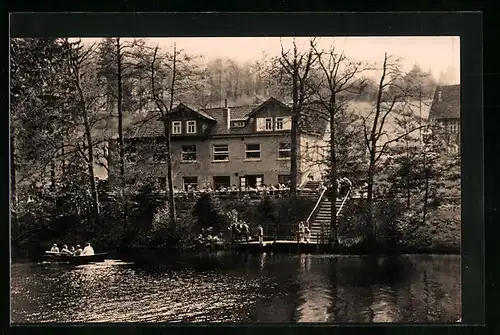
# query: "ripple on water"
[[276, 288]]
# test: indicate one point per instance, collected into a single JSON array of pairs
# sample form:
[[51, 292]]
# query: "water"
[[241, 288]]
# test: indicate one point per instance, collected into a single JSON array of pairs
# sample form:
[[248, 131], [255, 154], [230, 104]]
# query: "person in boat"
[[54, 248], [65, 250], [88, 250], [260, 233], [78, 250], [72, 249]]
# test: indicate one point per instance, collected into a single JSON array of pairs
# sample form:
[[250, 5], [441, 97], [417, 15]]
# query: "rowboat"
[[83, 259]]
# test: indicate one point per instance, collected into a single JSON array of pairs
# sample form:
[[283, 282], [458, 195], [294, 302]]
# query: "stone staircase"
[[309, 190], [322, 218]]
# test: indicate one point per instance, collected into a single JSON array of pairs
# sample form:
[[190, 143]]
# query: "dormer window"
[[264, 124], [191, 127], [283, 123], [269, 124], [440, 98], [237, 124], [279, 123], [176, 128]]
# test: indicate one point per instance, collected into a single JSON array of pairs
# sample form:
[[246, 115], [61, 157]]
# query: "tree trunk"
[[426, 194], [333, 177], [166, 123], [294, 132], [53, 174], [293, 156], [90, 166], [370, 229], [119, 107], [13, 185]]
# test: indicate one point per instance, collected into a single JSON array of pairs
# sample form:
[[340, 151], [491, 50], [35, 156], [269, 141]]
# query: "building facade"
[[240, 147], [445, 110]]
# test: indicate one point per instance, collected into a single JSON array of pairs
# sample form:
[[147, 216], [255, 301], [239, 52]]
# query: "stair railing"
[[343, 202], [316, 207]]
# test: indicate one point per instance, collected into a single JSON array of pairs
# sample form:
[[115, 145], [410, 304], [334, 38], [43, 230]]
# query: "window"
[[269, 124], [176, 128], [190, 183], [283, 123], [264, 124], [238, 124], [221, 152], [162, 182], [279, 123], [453, 127], [191, 127], [253, 181], [222, 181], [284, 151], [188, 153], [284, 179], [252, 151]]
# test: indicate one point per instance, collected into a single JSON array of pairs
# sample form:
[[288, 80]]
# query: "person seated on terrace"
[[176, 190], [190, 188], [54, 248], [233, 188]]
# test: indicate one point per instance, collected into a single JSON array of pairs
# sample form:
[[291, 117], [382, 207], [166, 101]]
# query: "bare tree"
[[297, 66], [88, 103], [338, 74], [390, 96]]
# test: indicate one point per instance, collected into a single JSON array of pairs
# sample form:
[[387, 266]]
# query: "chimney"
[[440, 98], [227, 114]]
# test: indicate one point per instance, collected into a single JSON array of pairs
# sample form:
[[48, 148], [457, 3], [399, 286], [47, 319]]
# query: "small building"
[[445, 110], [243, 146]]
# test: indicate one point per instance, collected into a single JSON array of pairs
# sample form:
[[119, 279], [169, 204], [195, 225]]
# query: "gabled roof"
[[153, 125], [446, 103], [267, 102], [201, 113], [236, 113]]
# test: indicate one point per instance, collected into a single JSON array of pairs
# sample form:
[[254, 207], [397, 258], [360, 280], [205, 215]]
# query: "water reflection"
[[241, 288]]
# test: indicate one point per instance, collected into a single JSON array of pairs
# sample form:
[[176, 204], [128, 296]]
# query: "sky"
[[435, 53]]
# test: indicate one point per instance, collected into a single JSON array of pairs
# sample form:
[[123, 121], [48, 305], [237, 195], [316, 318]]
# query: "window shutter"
[[261, 124], [287, 123]]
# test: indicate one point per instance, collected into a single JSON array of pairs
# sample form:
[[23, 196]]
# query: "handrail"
[[316, 206], [343, 202]]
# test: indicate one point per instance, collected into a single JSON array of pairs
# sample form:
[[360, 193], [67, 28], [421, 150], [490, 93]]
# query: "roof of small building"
[[152, 125], [446, 103]]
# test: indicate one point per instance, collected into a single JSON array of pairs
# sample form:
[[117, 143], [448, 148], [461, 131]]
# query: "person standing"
[[260, 234], [300, 232], [307, 233]]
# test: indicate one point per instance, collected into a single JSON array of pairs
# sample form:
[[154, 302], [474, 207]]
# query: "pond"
[[227, 287]]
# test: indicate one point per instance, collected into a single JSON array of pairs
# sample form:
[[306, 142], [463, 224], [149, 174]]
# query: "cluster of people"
[[78, 251], [343, 187], [226, 189], [242, 231]]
